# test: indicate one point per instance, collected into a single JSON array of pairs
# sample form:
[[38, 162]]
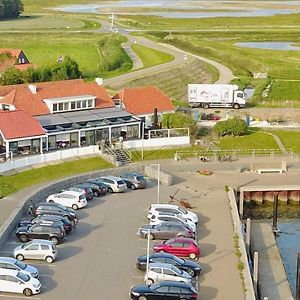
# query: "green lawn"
[[290, 139], [13, 183], [151, 57], [255, 140]]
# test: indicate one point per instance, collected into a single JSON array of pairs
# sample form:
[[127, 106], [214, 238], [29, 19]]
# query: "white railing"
[[47, 157]]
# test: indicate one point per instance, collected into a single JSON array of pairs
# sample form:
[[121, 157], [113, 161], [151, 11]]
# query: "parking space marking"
[[137, 276], [18, 297]]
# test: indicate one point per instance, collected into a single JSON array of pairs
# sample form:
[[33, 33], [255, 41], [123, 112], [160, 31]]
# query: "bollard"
[[255, 272], [275, 211]]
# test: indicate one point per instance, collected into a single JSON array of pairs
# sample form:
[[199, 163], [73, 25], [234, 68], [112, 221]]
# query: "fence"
[[47, 157]]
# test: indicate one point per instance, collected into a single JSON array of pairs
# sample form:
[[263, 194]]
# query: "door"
[[163, 231], [160, 294], [12, 284], [176, 248], [31, 251]]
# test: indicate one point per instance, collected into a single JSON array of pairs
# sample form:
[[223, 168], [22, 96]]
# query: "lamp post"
[[275, 211], [148, 250], [158, 181], [143, 130]]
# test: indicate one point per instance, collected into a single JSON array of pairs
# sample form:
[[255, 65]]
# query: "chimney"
[[99, 81], [32, 88]]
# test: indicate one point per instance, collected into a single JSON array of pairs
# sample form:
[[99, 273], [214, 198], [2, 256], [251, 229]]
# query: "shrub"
[[234, 126]]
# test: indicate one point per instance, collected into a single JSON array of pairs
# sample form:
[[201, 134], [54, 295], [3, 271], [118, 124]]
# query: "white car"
[[174, 209], [36, 249], [11, 263], [72, 199], [114, 184], [13, 281], [159, 217], [161, 272]]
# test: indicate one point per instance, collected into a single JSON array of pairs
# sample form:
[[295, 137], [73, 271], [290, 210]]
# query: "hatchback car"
[[71, 199], [160, 271], [134, 180], [165, 230], [160, 217], [36, 249], [184, 247], [85, 190], [13, 281], [191, 267], [174, 209], [170, 290], [96, 190], [11, 263], [102, 187], [56, 209], [40, 231], [114, 184]]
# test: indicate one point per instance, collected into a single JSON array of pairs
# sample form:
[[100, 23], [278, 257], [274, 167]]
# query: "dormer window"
[[57, 105]]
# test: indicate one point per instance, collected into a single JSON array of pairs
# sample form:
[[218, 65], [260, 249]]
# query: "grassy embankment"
[[13, 183], [216, 40]]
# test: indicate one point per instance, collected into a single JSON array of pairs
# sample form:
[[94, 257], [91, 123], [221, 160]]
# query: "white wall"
[[48, 157]]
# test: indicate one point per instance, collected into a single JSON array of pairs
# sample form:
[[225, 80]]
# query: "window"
[[55, 107], [163, 289], [44, 247], [174, 290], [156, 270], [11, 278], [60, 106], [66, 106], [73, 105], [90, 103], [84, 103], [168, 272], [78, 104]]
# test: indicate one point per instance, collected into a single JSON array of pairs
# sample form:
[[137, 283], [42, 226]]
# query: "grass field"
[[290, 139], [174, 82], [255, 140], [13, 183], [151, 57]]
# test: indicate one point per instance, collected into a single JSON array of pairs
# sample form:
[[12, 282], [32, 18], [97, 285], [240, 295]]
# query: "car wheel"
[[192, 255], [132, 187], [75, 206], [236, 106], [142, 298], [67, 217], [109, 190], [27, 292], [96, 194], [51, 201], [23, 238], [20, 257], [205, 105], [54, 240], [191, 272], [151, 236], [49, 259], [149, 281]]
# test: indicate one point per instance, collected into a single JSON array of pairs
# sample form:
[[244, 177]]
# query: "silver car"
[[36, 249], [14, 264], [114, 184]]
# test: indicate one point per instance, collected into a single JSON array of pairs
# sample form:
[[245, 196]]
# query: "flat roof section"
[[269, 188]]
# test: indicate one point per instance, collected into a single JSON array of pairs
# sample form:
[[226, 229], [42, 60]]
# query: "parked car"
[[134, 180], [57, 210], [174, 209], [40, 231], [191, 267], [96, 190], [184, 247], [102, 187], [11, 263], [165, 230], [114, 184], [160, 217], [170, 290], [85, 190], [160, 272], [36, 249], [71, 199], [13, 281]]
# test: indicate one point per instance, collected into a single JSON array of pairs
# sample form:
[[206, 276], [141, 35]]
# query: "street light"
[[158, 181], [148, 250], [143, 130]]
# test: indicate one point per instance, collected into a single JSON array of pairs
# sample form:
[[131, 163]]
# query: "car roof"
[[173, 283], [161, 265], [171, 223], [7, 259], [40, 241], [72, 193], [183, 239], [4, 271], [161, 205], [111, 177]]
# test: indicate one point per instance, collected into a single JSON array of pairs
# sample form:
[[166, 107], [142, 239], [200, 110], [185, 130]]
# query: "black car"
[[56, 209], [102, 187], [97, 191], [134, 180], [67, 225], [189, 266], [86, 191], [164, 290], [39, 231]]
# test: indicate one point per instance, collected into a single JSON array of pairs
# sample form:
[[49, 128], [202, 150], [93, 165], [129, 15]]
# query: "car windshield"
[[25, 245], [140, 178], [168, 242], [61, 206], [20, 264], [120, 182], [181, 219], [23, 277], [176, 270], [81, 197], [179, 260]]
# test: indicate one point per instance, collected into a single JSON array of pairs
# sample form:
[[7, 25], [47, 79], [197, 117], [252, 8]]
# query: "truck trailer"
[[216, 95]]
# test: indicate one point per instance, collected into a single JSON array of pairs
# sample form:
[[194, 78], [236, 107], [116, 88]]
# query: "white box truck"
[[216, 95]]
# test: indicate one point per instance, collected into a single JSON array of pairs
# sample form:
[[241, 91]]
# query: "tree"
[[10, 8], [234, 126], [155, 118], [12, 76]]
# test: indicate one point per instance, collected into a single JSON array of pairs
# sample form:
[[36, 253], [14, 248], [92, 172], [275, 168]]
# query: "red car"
[[180, 246]]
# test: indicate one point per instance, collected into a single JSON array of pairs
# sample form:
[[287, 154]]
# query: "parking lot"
[[98, 258]]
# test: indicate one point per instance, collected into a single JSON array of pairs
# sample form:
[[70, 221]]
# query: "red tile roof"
[[17, 124], [13, 52], [33, 104], [143, 100]]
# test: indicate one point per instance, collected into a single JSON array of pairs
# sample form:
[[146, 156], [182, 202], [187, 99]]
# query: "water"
[[288, 243], [285, 46], [156, 5]]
